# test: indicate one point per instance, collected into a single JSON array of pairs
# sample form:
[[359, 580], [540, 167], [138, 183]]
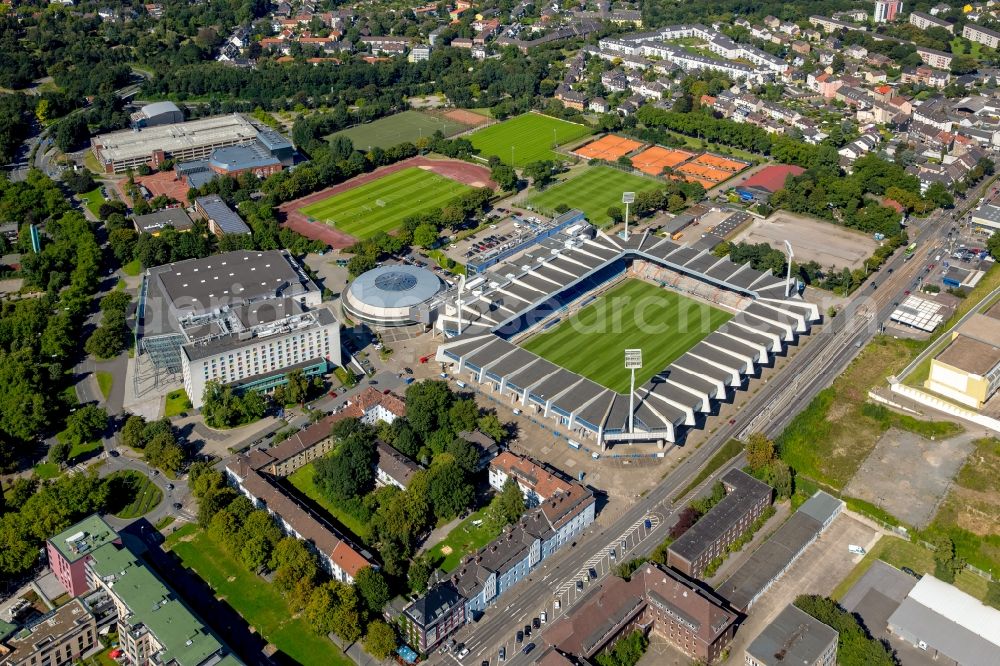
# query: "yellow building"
[[968, 369]]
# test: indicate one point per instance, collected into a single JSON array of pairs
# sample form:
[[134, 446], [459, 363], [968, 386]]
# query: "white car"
[[465, 651]]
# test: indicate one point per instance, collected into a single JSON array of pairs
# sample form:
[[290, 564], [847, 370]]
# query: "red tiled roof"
[[370, 398], [772, 178]]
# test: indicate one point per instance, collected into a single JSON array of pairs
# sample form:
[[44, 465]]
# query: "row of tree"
[[253, 538], [157, 440]]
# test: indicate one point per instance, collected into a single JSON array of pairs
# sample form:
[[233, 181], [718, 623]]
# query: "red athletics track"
[[290, 216]]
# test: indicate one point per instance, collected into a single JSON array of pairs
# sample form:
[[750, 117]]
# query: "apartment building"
[[62, 636], [977, 33], [924, 21], [69, 551]]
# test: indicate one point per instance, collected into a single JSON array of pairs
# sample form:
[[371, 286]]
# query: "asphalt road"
[[829, 351]]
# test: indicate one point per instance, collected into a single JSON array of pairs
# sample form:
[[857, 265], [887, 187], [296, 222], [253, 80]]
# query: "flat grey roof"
[[697, 366], [128, 144], [514, 363], [594, 412], [769, 560], [491, 352], [533, 373], [943, 634], [168, 217], [673, 393], [796, 636], [725, 359], [523, 292], [556, 383], [685, 378], [822, 506]]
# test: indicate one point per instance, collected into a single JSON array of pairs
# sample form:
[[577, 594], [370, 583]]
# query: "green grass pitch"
[[593, 191], [395, 129], [530, 135], [633, 315], [382, 204]]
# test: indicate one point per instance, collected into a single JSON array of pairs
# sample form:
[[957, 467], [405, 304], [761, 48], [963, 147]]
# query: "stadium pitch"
[[382, 204], [632, 315], [530, 135]]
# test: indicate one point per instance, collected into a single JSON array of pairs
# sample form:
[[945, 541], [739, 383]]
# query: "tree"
[[107, 341], [122, 243], [297, 388], [373, 588], [427, 405], [616, 214], [759, 451], [59, 452], [212, 502], [539, 172], [993, 245], [466, 455], [419, 573], [350, 471], [260, 534], [463, 415], [448, 490], [490, 426], [425, 235], [504, 176], [380, 640], [963, 64], [133, 432], [86, 424], [855, 646]]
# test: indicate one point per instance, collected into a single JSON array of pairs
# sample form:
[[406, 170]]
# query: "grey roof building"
[[154, 223], [221, 218], [794, 638], [948, 623]]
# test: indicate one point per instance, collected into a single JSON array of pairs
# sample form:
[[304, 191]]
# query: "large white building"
[[245, 318], [886, 10]]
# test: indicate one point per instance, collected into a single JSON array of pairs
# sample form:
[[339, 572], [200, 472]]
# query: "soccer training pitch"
[[593, 192], [530, 135], [395, 129], [633, 315], [382, 204]]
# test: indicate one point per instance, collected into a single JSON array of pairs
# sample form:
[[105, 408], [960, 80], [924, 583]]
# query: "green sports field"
[[530, 135], [382, 204], [594, 191], [633, 315], [395, 129]]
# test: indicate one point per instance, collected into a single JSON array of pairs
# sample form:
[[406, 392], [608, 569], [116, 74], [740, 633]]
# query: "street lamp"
[[633, 360], [627, 198], [788, 273]]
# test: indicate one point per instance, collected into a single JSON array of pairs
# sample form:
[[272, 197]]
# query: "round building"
[[391, 295]]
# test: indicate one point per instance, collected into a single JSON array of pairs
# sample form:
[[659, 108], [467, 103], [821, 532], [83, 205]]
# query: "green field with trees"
[[410, 126], [527, 138], [597, 191]]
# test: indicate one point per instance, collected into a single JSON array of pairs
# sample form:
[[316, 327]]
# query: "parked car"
[[579, 586], [536, 623], [519, 637], [528, 648], [527, 630]]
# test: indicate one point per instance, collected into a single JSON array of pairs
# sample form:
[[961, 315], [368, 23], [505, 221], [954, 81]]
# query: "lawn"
[[394, 130], [464, 539], [831, 437], [529, 135], [46, 470], [92, 199], [132, 268], [143, 495], [81, 450], [254, 599], [382, 204], [304, 480], [176, 402], [900, 553], [593, 191], [729, 450], [105, 380], [633, 315]]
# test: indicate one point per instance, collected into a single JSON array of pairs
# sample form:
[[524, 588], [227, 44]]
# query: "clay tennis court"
[[466, 117], [290, 214], [655, 158], [609, 147], [703, 172], [723, 163]]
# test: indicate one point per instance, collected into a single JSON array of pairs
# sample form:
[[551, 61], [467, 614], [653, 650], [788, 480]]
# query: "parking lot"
[[812, 240], [509, 229]]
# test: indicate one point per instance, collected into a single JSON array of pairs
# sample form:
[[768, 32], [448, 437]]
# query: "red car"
[[907, 292], [333, 394]]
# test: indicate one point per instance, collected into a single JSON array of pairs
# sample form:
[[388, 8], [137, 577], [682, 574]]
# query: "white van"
[[857, 550]]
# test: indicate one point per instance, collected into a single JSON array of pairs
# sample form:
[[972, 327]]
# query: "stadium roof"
[[950, 621], [772, 178], [397, 286]]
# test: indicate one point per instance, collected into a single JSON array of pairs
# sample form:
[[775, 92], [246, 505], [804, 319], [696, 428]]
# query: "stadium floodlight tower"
[[633, 361], [627, 198], [788, 272], [458, 302]]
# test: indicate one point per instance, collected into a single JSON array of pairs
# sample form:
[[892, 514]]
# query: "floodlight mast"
[[788, 272], [461, 286], [633, 360], [627, 198]]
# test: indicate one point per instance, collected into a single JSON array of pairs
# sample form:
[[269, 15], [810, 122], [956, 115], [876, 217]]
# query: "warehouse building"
[[951, 626], [776, 555], [794, 637], [120, 151], [745, 501], [968, 369], [986, 219], [220, 217], [245, 318]]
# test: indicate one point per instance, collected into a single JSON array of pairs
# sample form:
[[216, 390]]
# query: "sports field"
[[633, 315], [530, 135], [382, 204], [593, 191], [395, 129]]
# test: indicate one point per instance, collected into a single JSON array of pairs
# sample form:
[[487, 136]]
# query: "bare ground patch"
[[812, 239]]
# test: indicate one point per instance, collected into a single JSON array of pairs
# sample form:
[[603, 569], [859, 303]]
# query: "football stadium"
[[546, 331]]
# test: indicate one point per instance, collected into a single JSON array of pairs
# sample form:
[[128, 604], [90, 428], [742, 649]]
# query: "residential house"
[[924, 21], [977, 33]]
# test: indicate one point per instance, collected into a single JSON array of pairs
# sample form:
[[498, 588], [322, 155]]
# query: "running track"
[[290, 216]]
